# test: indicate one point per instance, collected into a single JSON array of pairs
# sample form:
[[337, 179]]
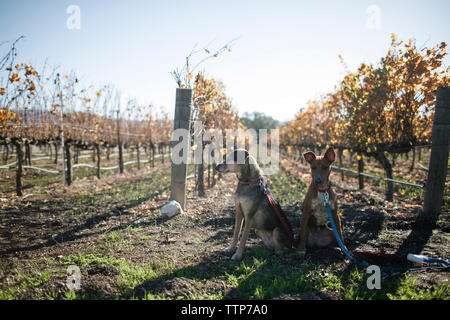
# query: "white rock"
[[171, 209]]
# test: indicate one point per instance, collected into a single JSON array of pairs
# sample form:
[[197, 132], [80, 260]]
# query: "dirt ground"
[[112, 230]]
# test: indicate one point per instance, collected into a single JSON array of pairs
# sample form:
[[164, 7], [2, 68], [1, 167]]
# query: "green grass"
[[408, 290], [129, 274], [41, 179], [130, 192], [399, 188], [288, 189], [22, 281], [261, 275], [90, 259]]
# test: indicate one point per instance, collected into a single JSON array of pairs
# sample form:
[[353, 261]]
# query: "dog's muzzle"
[[222, 168]]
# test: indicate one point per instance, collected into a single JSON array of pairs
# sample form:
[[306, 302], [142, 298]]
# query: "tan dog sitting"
[[314, 229]]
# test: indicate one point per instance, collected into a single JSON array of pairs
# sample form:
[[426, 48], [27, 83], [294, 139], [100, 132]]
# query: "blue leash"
[[410, 257]]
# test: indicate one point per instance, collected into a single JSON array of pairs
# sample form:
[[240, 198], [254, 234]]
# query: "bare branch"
[[183, 77]]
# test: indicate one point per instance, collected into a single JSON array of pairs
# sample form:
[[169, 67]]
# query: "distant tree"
[[258, 120]]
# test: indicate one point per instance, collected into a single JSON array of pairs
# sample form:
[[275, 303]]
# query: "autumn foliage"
[[213, 108], [380, 108]]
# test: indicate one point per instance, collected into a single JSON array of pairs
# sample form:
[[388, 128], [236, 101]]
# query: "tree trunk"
[[214, 172], [299, 153], [138, 156], [56, 153], [69, 163], [76, 152], [413, 162], [119, 144], [340, 163], [74, 155], [5, 154], [50, 152], [196, 178], [381, 157], [19, 168], [120, 157], [153, 154], [360, 170], [200, 180], [27, 154], [97, 147], [214, 175], [200, 177], [209, 175]]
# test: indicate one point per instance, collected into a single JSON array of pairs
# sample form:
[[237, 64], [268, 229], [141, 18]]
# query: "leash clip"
[[326, 197], [262, 187]]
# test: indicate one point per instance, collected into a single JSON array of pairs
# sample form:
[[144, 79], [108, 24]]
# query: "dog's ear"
[[237, 153], [247, 156], [309, 156], [330, 155]]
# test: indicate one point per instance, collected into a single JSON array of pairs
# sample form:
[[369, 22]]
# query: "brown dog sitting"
[[253, 207], [314, 229]]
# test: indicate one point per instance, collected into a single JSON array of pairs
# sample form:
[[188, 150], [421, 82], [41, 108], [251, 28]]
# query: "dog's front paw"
[[228, 250], [339, 249], [302, 254], [236, 257]]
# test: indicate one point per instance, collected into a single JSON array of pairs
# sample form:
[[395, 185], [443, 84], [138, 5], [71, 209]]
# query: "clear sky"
[[287, 52]]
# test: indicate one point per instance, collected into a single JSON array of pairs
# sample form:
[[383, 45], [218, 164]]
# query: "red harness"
[[275, 208]]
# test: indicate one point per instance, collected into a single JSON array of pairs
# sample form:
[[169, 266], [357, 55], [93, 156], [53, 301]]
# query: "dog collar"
[[322, 190], [259, 180]]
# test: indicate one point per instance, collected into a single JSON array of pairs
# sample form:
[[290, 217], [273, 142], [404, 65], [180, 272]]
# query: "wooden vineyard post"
[[65, 181], [182, 117], [360, 170], [119, 142], [437, 171], [19, 167]]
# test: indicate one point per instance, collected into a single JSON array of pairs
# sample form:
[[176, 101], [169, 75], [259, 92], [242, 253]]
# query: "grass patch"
[[408, 290], [22, 281]]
